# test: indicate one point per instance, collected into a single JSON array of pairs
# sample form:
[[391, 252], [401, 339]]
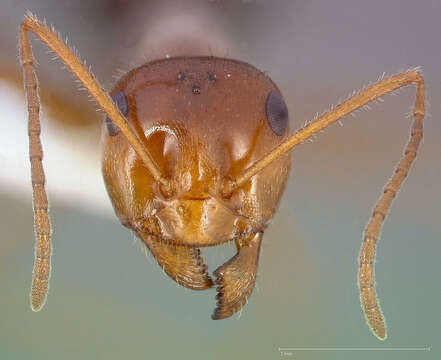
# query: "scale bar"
[[355, 349]]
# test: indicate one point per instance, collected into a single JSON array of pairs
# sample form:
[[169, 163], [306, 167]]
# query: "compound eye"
[[276, 113], [120, 100]]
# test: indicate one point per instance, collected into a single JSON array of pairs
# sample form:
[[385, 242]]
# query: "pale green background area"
[[107, 301]]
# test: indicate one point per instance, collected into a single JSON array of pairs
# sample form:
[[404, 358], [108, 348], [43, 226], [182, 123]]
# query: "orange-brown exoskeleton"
[[201, 126], [195, 154]]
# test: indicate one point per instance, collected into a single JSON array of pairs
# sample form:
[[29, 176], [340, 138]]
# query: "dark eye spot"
[[120, 100], [181, 76], [276, 113], [196, 89], [212, 77]]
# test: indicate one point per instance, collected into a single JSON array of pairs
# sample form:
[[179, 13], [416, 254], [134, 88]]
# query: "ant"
[[196, 152]]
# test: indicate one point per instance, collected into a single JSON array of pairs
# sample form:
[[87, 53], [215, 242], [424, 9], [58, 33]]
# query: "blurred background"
[[107, 301]]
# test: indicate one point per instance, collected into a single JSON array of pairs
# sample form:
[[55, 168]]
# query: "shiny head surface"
[[202, 119]]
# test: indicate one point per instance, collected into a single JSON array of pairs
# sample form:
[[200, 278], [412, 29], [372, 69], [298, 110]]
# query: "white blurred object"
[[73, 167]]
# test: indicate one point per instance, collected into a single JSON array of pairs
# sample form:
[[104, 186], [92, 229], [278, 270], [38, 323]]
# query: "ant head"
[[203, 120]]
